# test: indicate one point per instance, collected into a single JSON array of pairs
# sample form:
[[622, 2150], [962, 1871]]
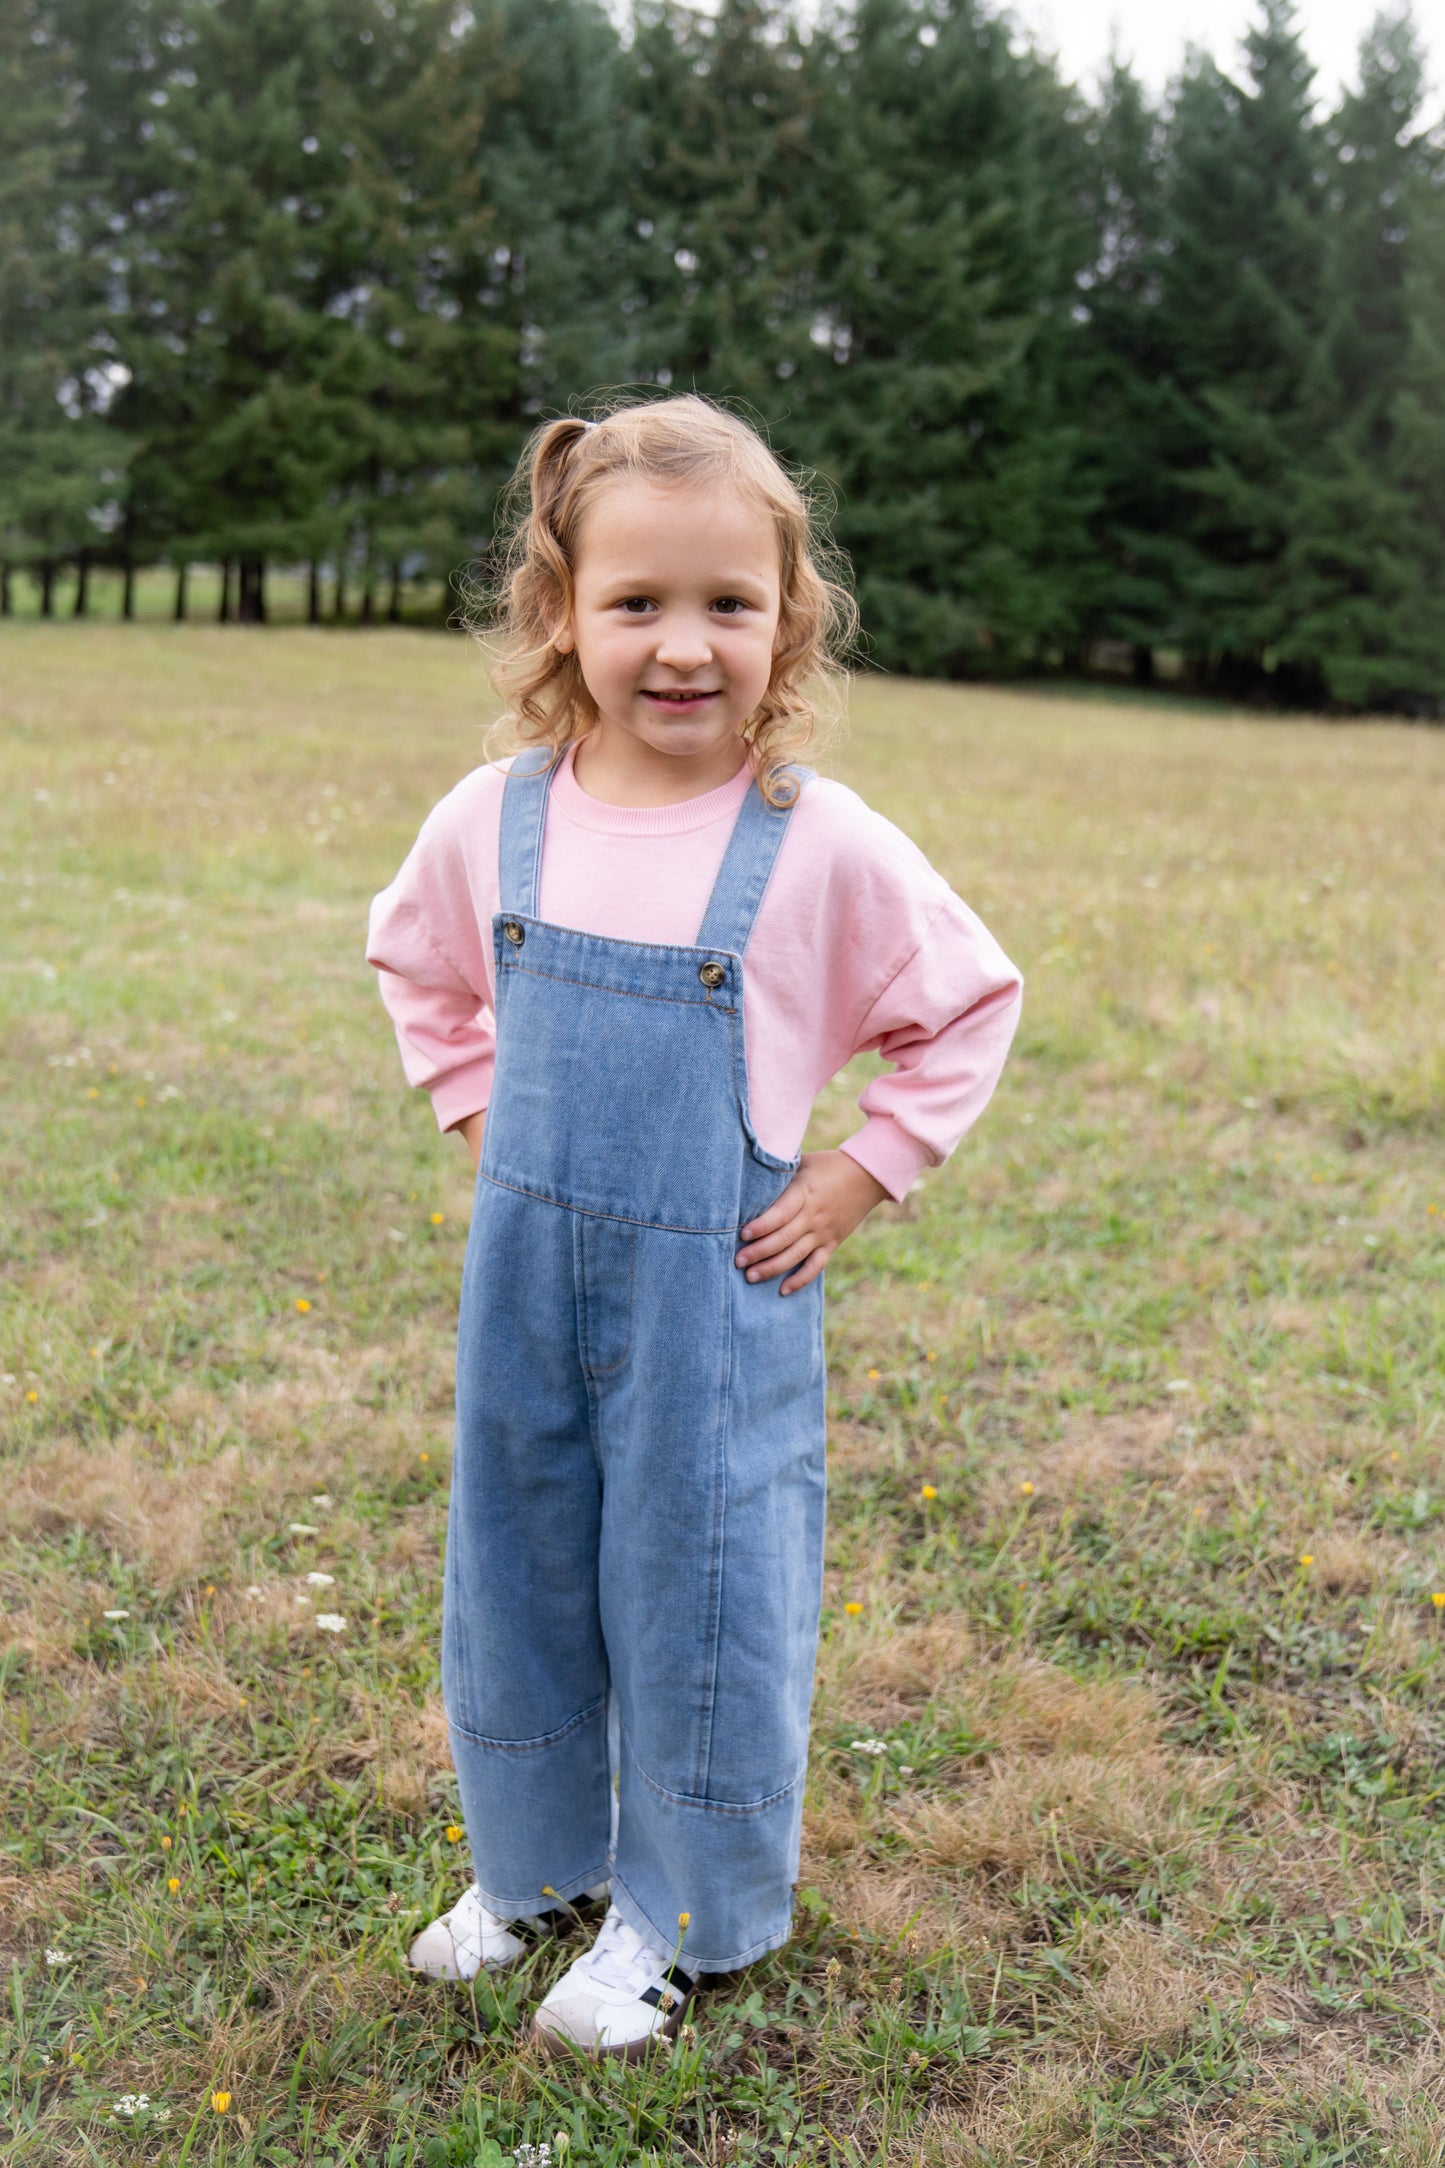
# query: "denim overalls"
[[634, 1548]]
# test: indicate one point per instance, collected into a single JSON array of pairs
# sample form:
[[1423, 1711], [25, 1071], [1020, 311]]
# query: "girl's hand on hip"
[[471, 1128], [827, 1198]]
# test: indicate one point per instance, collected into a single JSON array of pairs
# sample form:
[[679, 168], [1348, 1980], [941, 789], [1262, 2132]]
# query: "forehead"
[[681, 533]]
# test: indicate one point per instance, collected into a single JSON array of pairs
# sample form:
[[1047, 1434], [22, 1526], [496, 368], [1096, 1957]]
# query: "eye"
[[634, 605], [730, 605]]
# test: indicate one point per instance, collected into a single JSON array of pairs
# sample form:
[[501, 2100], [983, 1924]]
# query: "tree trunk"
[[313, 593], [5, 602], [339, 607], [127, 590], [1143, 665], [251, 592], [223, 613], [82, 585], [47, 589], [393, 607], [182, 569], [368, 602]]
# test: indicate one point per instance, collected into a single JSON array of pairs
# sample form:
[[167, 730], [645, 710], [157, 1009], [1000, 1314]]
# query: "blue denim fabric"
[[637, 1495]]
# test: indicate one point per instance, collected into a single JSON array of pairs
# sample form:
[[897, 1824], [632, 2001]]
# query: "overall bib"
[[634, 1546]]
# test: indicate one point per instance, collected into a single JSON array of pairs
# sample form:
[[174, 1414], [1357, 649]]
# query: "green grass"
[[1149, 1865]]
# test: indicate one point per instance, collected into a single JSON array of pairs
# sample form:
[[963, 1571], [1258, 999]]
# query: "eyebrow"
[[631, 583]]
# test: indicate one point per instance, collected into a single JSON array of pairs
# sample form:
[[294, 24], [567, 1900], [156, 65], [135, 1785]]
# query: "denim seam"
[[627, 1219], [713, 1613], [579, 1282], [623, 993], [604, 1370], [531, 1746], [710, 1806]]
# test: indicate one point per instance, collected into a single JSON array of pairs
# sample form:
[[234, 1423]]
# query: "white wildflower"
[[331, 1622], [323, 1499], [301, 1528], [57, 1957], [253, 1593], [321, 1580], [1179, 1385], [870, 1746], [115, 1614]]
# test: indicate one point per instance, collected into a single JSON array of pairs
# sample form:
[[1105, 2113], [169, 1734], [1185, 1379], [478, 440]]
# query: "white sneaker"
[[618, 1998], [469, 1939], [465, 1941]]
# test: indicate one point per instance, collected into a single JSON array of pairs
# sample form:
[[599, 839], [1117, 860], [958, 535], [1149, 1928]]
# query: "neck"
[[617, 768]]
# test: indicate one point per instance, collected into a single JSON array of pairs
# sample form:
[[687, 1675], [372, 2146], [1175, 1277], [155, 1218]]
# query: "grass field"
[[1125, 1833]]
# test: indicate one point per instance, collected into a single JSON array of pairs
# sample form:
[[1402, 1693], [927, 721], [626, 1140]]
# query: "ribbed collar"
[[571, 800]]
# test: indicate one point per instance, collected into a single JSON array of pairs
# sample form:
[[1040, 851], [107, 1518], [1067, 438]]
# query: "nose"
[[683, 643]]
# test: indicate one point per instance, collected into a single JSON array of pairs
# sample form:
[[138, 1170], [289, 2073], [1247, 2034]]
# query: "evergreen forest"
[[1092, 381]]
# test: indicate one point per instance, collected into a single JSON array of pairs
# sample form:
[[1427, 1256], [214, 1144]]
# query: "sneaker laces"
[[623, 1960]]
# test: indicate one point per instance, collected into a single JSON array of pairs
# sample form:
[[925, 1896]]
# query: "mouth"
[[678, 699]]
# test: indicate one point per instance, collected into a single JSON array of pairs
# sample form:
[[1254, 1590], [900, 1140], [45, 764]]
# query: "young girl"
[[623, 963]]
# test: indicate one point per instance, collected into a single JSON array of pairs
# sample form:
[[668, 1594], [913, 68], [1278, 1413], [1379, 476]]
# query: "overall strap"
[[524, 815], [746, 870]]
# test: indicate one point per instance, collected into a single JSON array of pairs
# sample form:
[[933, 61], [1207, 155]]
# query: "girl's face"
[[674, 622]]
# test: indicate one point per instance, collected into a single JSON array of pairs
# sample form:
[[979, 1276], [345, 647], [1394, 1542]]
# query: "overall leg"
[[712, 1440], [524, 1670]]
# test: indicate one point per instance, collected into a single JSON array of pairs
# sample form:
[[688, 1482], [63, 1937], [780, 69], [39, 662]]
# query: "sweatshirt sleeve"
[[426, 941], [945, 1021]]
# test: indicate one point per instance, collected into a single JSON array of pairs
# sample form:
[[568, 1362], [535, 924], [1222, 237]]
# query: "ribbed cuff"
[[461, 1092], [890, 1155]]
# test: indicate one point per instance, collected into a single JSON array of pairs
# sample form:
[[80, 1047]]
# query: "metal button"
[[515, 934], [712, 975]]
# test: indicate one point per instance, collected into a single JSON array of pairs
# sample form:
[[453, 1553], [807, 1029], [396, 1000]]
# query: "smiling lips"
[[681, 696]]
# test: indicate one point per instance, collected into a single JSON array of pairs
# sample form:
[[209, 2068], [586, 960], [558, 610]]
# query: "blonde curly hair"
[[678, 443]]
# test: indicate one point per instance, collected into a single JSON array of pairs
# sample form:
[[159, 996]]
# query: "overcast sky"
[[1152, 34]]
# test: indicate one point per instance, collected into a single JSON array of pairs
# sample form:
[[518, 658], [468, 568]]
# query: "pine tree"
[[1364, 514], [931, 386], [61, 466], [1242, 301]]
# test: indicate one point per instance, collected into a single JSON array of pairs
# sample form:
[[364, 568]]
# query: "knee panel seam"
[[532, 1746]]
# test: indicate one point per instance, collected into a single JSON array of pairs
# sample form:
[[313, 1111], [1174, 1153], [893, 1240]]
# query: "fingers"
[[811, 1268], [773, 1267], [778, 1213], [772, 1245]]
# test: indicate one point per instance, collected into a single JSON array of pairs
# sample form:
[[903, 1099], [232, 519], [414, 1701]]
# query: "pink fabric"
[[858, 944]]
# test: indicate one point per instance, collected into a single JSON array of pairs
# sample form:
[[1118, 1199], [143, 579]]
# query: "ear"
[[563, 639]]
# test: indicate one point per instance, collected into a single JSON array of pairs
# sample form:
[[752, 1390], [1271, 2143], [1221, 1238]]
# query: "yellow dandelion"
[[684, 1920], [92, 1093], [929, 1490], [852, 1609], [874, 1374], [1306, 1558], [438, 1219], [1027, 1488], [1432, 1209], [95, 1351], [547, 1890], [32, 1396], [453, 1833], [140, 1983], [424, 1456], [165, 1844], [220, 2102], [174, 1884], [140, 1099], [302, 1304], [210, 1588], [182, 1810], [1438, 1599], [1394, 1456]]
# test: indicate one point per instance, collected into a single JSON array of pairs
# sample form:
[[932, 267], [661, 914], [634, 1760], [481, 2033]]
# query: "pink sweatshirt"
[[858, 944]]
